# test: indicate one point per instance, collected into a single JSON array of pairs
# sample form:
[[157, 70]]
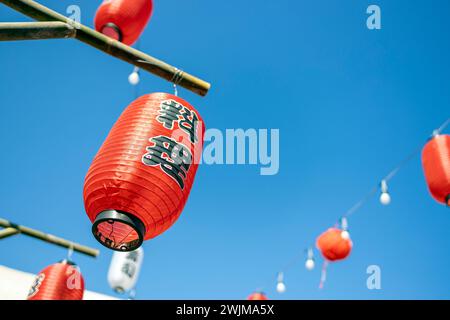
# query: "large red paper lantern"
[[141, 177], [436, 166], [257, 296], [123, 20], [334, 244], [60, 281]]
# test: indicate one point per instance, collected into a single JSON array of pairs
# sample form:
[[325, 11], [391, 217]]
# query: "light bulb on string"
[[281, 287], [134, 78], [310, 264], [344, 226], [385, 197]]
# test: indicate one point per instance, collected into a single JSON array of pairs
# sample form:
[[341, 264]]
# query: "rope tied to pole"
[[176, 79]]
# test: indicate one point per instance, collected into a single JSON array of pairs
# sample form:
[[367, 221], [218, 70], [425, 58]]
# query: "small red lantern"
[[142, 175], [123, 20], [335, 244], [60, 281], [436, 166], [257, 296]]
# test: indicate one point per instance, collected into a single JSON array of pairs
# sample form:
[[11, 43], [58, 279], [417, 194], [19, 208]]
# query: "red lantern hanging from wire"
[[257, 296], [123, 20], [436, 166], [334, 244], [59, 281], [142, 175]]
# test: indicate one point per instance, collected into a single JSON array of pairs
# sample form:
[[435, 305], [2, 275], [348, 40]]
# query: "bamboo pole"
[[36, 31], [5, 233], [49, 238], [113, 47]]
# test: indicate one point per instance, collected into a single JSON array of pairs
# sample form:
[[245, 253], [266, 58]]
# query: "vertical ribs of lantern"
[[118, 178], [60, 281]]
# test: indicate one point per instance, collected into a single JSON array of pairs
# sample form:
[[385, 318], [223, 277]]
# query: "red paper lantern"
[[257, 296], [141, 177], [123, 20], [436, 166], [60, 281], [333, 245]]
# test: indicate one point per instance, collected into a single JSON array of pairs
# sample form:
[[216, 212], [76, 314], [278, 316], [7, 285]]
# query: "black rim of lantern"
[[112, 26], [112, 217]]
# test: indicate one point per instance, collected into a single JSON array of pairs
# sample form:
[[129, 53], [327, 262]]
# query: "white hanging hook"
[[310, 253], [344, 223], [70, 252], [280, 277], [176, 79], [384, 186]]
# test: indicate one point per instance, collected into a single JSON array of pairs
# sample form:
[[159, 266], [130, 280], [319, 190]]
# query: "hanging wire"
[[70, 252], [136, 85], [136, 69], [323, 275], [393, 173], [353, 209], [176, 79], [132, 294], [443, 126], [292, 262]]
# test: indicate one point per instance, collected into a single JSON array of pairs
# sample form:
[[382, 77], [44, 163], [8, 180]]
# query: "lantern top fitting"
[[118, 230], [68, 262]]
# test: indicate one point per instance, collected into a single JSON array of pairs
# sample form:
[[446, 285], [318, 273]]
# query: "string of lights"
[[385, 199]]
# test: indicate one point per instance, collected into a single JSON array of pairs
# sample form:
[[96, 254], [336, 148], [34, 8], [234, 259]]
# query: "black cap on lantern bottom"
[[112, 31], [118, 230]]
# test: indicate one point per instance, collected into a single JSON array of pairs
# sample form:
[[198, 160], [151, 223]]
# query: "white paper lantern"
[[124, 270]]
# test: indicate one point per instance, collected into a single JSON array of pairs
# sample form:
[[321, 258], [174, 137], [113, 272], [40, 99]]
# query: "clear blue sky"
[[350, 103]]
